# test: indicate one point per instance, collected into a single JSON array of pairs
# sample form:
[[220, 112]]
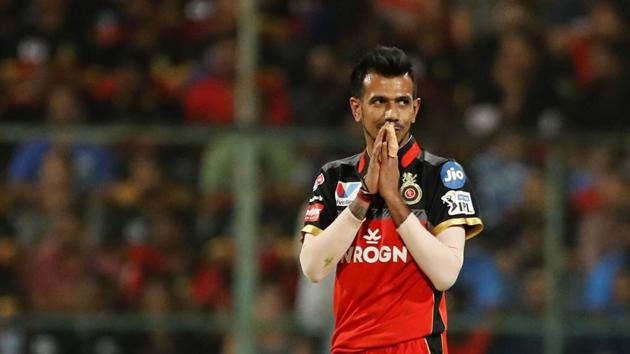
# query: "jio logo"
[[452, 175]]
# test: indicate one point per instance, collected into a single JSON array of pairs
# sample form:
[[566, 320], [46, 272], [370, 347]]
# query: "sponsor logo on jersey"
[[410, 190], [316, 198], [313, 212], [346, 192], [318, 181], [452, 175], [372, 237], [374, 254], [459, 202]]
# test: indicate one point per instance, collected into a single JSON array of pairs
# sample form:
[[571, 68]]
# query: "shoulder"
[[440, 163], [448, 170], [434, 160], [350, 161]]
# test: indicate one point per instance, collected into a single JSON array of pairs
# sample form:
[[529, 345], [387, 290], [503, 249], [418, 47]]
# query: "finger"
[[376, 152], [377, 148], [392, 142], [383, 154], [380, 136]]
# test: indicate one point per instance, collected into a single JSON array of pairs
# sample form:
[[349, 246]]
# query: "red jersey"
[[381, 296]]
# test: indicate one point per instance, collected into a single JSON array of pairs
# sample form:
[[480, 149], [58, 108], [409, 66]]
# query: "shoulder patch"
[[452, 175], [458, 202]]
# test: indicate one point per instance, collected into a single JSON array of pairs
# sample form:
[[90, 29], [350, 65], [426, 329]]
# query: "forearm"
[[440, 258], [397, 207], [320, 254]]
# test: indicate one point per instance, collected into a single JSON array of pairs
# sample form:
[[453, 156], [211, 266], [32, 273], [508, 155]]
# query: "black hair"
[[386, 61]]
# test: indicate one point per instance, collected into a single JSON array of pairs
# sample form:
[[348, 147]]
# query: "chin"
[[402, 137]]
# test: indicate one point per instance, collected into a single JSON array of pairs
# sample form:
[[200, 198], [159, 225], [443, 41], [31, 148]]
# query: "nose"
[[391, 115]]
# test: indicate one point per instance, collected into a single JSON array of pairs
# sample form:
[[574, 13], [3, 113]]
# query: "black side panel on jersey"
[[322, 208]]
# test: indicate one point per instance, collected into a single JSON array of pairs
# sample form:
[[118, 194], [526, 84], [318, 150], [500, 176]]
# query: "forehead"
[[375, 84]]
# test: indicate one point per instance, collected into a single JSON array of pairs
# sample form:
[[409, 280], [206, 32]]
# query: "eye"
[[404, 101], [377, 100]]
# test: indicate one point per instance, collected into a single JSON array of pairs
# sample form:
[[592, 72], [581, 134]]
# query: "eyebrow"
[[397, 98]]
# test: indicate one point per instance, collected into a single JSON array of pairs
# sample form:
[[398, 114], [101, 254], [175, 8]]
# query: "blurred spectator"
[[205, 20], [271, 338], [51, 194], [600, 228], [502, 168], [147, 212], [606, 292], [210, 95], [472, 297], [518, 87], [91, 165], [130, 94], [56, 272], [317, 98], [603, 105], [587, 23], [146, 188], [216, 184], [604, 244], [210, 288], [156, 304]]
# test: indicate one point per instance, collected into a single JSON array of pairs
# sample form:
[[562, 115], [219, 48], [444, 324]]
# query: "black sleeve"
[[321, 210], [453, 202]]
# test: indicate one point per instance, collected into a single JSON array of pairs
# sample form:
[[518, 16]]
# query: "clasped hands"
[[383, 175]]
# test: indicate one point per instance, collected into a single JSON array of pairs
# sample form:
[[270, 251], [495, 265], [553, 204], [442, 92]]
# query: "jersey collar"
[[406, 154]]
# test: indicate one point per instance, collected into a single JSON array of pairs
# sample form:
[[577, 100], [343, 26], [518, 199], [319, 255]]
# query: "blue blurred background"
[[156, 156]]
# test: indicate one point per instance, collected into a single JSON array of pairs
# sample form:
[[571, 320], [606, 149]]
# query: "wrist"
[[364, 186], [360, 206], [390, 196], [364, 195], [397, 207]]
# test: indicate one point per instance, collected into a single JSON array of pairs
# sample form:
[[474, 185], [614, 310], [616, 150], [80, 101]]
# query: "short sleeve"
[[454, 202], [321, 210]]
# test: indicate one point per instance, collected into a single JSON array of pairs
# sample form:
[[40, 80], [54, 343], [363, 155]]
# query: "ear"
[[416, 109], [355, 107]]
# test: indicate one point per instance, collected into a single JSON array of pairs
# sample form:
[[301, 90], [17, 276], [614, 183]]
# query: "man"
[[392, 221]]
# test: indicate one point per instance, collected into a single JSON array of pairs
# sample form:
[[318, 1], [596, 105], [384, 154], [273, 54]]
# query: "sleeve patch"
[[318, 181], [458, 202], [313, 212], [452, 175]]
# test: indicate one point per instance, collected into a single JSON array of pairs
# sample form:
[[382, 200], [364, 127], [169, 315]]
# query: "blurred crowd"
[[482, 64], [142, 227]]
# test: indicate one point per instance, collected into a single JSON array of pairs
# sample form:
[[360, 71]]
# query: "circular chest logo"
[[410, 190]]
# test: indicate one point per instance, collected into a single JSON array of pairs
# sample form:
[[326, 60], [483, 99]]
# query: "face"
[[385, 99]]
